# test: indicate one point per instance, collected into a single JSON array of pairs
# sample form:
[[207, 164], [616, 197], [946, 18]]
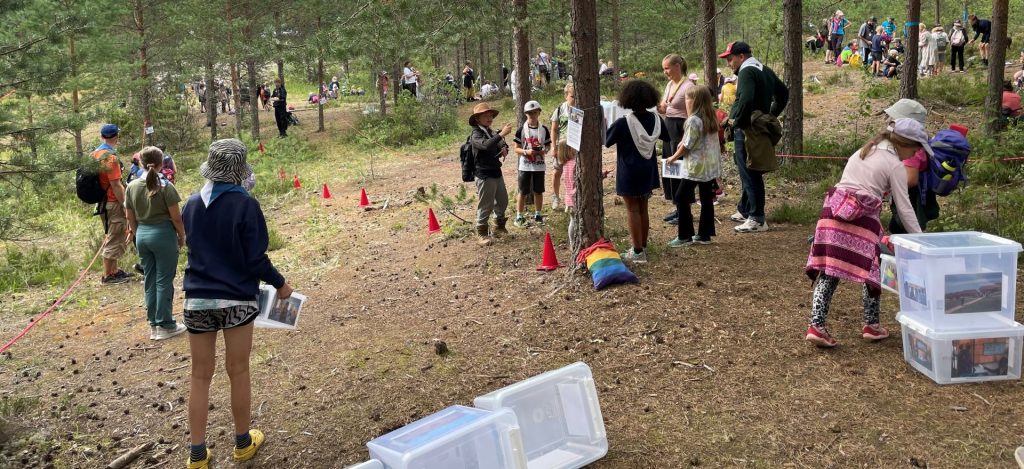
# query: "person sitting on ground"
[[635, 137], [848, 51], [531, 143], [489, 148], [1011, 106], [898, 45], [154, 222], [891, 64], [846, 238], [701, 165], [1018, 76], [227, 240]]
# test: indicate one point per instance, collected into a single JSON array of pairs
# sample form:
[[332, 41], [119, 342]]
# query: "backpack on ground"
[[945, 169], [941, 41], [468, 161], [87, 182]]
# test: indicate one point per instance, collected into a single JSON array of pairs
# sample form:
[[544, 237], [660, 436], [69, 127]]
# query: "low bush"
[[22, 268], [411, 121]]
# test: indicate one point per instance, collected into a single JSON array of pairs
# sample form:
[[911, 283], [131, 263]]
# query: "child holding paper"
[[702, 164], [531, 143]]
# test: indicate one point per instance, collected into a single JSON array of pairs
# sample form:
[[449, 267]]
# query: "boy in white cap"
[[531, 143]]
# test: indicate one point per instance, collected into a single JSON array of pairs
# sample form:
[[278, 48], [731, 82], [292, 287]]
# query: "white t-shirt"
[[543, 60], [408, 76], [528, 137]]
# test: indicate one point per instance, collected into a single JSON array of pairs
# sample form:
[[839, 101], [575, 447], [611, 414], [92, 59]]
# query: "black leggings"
[[683, 200], [281, 117], [825, 286]]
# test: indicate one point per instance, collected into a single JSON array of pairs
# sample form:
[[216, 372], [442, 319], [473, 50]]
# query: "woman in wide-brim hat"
[[227, 240], [479, 110]]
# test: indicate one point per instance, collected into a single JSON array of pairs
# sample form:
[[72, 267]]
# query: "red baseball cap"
[[738, 47]]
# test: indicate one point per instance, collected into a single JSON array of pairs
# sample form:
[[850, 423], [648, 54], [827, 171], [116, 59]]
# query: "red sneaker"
[[874, 332], [820, 336]]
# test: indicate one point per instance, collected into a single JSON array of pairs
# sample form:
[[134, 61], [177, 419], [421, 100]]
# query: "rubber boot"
[[483, 237], [499, 227]]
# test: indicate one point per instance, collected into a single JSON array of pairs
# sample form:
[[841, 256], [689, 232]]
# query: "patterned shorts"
[[213, 320]]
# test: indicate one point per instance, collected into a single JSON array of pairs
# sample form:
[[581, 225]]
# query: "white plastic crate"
[[559, 417], [966, 356], [887, 268], [455, 438], [959, 280], [371, 464]]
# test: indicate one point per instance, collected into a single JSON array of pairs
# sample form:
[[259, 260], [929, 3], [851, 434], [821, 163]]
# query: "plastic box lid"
[[559, 417], [448, 430], [1009, 328], [371, 464], [955, 243]]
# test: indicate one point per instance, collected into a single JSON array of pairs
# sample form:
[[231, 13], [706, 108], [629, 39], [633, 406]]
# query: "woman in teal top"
[[154, 220]]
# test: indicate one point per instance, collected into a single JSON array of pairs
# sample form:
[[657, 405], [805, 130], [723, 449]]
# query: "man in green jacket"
[[758, 89]]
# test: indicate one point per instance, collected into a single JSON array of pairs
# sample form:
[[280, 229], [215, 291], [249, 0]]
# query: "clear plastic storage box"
[[965, 356], [455, 438], [559, 417], [371, 464], [955, 281]]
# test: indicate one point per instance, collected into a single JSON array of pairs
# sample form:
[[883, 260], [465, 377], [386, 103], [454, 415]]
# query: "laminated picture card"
[[276, 313]]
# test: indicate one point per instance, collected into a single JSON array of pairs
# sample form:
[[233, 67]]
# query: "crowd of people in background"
[[877, 46]]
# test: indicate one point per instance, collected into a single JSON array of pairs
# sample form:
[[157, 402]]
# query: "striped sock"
[[243, 440], [198, 452]]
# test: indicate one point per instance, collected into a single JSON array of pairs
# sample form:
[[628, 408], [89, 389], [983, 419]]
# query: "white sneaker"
[[554, 202], [152, 332], [162, 333], [751, 226], [737, 217]]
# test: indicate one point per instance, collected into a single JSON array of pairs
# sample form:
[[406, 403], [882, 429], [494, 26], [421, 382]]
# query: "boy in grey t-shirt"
[[531, 143]]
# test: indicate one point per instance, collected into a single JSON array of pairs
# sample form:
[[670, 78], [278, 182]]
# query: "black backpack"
[[468, 160], [87, 182]]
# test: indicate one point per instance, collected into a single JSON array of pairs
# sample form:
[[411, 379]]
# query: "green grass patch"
[[881, 89], [276, 240], [33, 267], [958, 90]]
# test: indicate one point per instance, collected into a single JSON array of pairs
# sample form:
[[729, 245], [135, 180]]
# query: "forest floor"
[[701, 364]]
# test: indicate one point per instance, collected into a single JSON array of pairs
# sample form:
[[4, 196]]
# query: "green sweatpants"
[[158, 253]]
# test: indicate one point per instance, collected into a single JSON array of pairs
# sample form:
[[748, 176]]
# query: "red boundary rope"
[[55, 304]]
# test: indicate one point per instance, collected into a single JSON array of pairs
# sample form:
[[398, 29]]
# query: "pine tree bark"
[[522, 50], [501, 64], [996, 66], [586, 223], [793, 49], [211, 102], [710, 45], [146, 95], [908, 82], [254, 99], [938, 12], [319, 83], [616, 42], [233, 68]]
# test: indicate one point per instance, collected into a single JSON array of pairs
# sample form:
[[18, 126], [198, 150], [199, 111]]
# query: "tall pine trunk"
[[793, 50], [211, 102], [146, 101], [616, 42], [522, 58], [996, 67], [908, 82], [319, 80], [280, 46], [500, 50], [710, 46], [233, 67], [254, 99], [587, 220]]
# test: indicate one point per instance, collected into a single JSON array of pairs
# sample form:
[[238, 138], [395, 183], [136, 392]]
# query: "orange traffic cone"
[[280, 173], [550, 261], [261, 148], [327, 192], [295, 180], [364, 202], [432, 225]]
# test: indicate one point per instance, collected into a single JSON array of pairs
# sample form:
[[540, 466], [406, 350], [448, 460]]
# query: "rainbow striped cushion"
[[605, 266]]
